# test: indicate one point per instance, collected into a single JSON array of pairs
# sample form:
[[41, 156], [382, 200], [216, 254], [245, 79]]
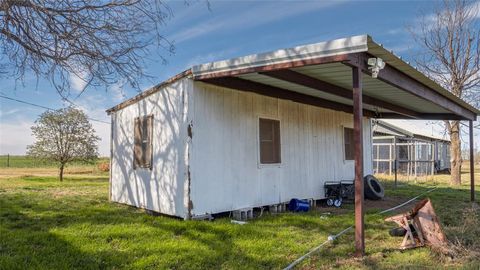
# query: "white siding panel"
[[226, 173], [162, 188]]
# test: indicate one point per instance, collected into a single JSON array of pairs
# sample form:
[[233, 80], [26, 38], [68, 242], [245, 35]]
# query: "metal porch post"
[[472, 164], [358, 140]]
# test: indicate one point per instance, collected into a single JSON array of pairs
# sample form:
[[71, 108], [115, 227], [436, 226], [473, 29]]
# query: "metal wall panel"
[[226, 173], [162, 188]]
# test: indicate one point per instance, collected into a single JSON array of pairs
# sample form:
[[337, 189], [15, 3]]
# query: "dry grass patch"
[[80, 171]]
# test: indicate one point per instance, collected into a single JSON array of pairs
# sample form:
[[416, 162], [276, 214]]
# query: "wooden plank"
[[402, 81], [276, 66], [314, 83], [425, 116], [272, 91], [358, 139]]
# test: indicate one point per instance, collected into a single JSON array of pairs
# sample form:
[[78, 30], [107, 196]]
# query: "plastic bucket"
[[297, 205]]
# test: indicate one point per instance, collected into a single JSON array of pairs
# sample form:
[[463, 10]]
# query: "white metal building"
[[255, 130]]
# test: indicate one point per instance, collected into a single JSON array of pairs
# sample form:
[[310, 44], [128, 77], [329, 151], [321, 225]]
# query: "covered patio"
[[344, 75]]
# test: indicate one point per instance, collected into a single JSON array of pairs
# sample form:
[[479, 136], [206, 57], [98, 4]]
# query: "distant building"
[[415, 154]]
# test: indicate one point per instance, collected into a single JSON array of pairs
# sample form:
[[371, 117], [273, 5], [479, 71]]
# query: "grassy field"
[[9, 161], [45, 224]]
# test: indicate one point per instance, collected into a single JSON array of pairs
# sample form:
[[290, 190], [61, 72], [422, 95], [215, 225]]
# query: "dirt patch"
[[332, 210], [62, 192], [389, 202], [383, 204], [41, 172]]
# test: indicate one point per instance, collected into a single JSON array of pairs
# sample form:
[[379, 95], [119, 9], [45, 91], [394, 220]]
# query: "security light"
[[375, 65]]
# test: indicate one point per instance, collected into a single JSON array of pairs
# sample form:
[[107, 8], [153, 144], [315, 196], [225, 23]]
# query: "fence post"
[[395, 158], [415, 159], [389, 159], [433, 158], [8, 160]]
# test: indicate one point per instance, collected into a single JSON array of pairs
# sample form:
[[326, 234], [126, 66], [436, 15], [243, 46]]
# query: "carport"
[[344, 75]]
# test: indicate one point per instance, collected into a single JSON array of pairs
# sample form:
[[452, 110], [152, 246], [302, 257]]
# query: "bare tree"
[[450, 43], [101, 42], [62, 136]]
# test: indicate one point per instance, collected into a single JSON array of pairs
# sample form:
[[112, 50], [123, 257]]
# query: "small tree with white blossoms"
[[62, 136]]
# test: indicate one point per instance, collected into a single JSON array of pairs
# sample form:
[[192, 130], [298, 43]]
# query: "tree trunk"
[[455, 152], [61, 172]]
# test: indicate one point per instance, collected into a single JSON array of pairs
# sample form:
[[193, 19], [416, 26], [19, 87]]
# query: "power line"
[[28, 103], [47, 108]]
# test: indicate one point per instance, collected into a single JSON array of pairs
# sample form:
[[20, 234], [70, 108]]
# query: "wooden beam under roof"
[[276, 92], [404, 82], [276, 66], [424, 116], [314, 83]]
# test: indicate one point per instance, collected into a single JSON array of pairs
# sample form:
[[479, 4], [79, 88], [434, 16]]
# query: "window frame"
[[259, 162], [143, 165], [344, 144]]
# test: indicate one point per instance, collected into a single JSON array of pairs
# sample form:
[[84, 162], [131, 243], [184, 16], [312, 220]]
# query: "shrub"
[[104, 166]]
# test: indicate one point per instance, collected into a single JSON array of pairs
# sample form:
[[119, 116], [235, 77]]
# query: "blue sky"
[[228, 29]]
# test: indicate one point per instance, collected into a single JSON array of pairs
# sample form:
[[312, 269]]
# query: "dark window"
[[142, 151], [348, 140], [269, 141], [402, 152]]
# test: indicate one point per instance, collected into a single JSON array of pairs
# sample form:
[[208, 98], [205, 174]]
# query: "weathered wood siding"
[[225, 168], [162, 188]]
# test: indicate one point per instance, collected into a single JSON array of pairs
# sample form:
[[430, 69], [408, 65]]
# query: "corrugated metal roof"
[[392, 129], [322, 49], [255, 77], [393, 60], [334, 73], [341, 75]]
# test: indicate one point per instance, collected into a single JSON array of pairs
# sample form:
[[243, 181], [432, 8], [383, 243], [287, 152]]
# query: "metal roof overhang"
[[321, 75], [386, 127]]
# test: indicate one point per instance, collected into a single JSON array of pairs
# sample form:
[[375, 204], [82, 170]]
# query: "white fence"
[[411, 158]]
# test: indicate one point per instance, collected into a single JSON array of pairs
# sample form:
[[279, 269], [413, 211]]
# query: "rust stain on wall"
[[189, 130]]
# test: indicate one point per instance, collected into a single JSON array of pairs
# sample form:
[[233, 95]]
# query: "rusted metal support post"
[[472, 164], [358, 140]]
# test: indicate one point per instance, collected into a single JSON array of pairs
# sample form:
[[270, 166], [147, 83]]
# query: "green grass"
[[460, 220], [45, 224], [30, 162]]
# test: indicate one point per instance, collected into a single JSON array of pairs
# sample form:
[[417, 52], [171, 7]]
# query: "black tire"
[[338, 202], [330, 202], [401, 231], [397, 231], [372, 188]]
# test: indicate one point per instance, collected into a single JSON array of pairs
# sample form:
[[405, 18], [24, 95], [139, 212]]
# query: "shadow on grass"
[[72, 234], [89, 232]]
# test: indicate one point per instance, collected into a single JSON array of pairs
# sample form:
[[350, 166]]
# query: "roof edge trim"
[[152, 90], [322, 49]]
